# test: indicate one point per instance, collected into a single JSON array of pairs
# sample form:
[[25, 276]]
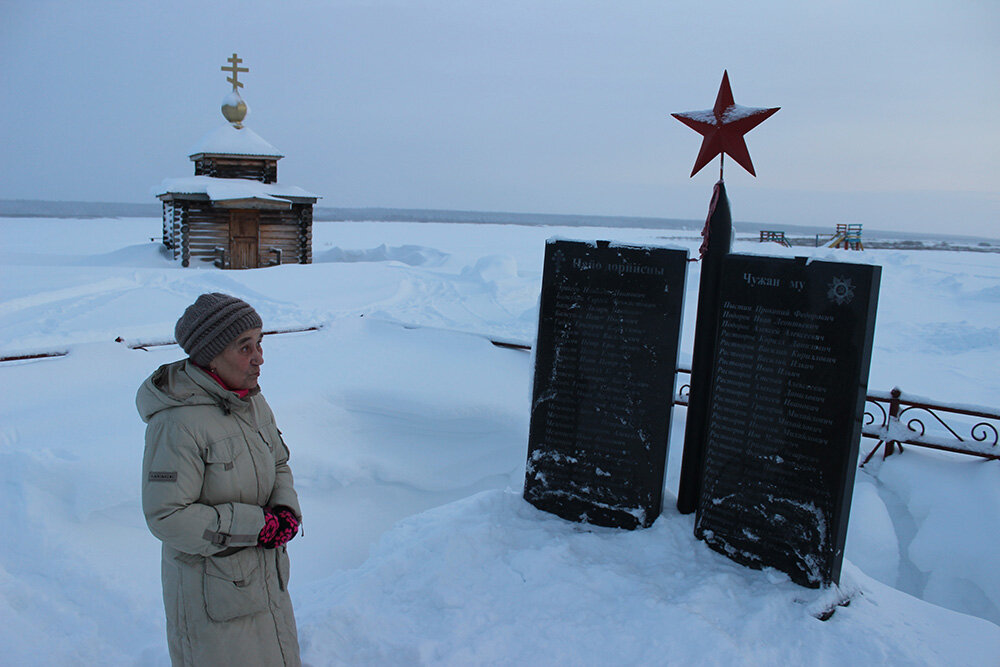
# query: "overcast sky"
[[888, 109]]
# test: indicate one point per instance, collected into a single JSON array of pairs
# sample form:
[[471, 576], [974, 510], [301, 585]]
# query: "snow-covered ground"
[[408, 431]]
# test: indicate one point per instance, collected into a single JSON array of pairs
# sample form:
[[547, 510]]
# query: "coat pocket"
[[222, 481], [224, 451], [275, 443], [235, 585]]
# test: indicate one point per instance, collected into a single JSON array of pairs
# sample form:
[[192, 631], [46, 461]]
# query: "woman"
[[217, 491]]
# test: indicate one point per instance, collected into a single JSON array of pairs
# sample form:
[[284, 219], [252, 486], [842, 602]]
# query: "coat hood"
[[179, 384]]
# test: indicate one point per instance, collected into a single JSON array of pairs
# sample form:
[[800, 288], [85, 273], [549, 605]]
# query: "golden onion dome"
[[234, 109]]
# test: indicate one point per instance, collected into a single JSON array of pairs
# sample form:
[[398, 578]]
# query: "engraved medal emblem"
[[841, 291]]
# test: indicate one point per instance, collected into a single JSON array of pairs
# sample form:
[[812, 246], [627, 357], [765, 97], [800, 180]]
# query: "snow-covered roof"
[[229, 189], [227, 140]]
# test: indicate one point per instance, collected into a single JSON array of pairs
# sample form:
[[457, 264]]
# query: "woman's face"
[[239, 364]]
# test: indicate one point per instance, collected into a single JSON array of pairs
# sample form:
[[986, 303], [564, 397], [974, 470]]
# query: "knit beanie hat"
[[211, 323]]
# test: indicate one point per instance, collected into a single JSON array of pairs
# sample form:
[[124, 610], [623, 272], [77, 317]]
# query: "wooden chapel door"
[[244, 233]]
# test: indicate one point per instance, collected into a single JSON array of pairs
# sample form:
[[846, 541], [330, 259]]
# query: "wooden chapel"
[[233, 212]]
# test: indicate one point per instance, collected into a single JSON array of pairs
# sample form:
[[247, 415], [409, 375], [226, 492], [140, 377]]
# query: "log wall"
[[196, 229], [172, 222], [305, 218], [254, 169]]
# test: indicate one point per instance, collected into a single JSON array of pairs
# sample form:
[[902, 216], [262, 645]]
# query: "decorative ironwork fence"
[[896, 418]]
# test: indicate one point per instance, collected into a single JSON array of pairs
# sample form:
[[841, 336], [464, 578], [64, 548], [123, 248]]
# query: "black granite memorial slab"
[[605, 363], [788, 390]]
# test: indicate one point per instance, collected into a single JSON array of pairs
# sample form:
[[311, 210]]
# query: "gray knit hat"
[[211, 323]]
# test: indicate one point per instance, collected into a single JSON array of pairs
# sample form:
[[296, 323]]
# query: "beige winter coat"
[[212, 460]]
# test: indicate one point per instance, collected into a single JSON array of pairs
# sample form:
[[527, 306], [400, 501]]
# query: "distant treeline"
[[499, 217], [33, 208], [30, 208]]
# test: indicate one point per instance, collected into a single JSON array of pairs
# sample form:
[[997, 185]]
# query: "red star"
[[723, 127]]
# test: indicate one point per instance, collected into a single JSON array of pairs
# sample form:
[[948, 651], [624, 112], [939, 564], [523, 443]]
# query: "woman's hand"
[[280, 526]]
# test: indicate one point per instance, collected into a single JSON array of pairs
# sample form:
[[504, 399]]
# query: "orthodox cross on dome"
[[234, 79], [723, 127]]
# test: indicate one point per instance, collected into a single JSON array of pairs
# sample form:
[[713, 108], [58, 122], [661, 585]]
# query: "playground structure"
[[848, 237], [774, 237]]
